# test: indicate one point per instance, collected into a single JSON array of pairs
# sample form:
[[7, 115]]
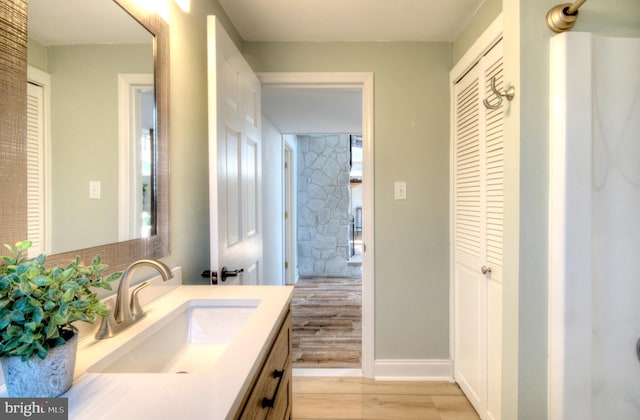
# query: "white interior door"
[[469, 287], [477, 229], [235, 157]]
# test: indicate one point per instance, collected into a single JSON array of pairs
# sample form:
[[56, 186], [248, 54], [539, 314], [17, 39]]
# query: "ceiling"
[[350, 20], [313, 110], [76, 22], [277, 20]]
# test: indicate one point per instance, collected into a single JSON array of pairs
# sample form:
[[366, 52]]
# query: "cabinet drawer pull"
[[269, 402]]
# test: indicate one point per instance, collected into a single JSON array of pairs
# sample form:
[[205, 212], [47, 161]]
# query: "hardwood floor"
[[316, 398], [327, 333], [327, 323]]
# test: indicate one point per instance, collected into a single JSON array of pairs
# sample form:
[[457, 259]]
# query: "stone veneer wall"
[[323, 206]]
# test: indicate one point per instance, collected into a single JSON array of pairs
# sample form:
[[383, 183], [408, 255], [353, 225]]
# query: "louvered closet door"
[[493, 228], [35, 169], [477, 229]]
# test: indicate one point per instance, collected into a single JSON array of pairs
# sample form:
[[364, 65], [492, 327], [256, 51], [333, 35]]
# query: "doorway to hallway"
[[327, 301], [363, 83]]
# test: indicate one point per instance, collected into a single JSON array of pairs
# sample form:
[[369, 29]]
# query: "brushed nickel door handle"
[[485, 269]]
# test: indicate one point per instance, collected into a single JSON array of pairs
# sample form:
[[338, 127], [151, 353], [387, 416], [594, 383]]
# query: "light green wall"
[[272, 204], [189, 214], [36, 55], [84, 139], [610, 18], [485, 15], [411, 144], [526, 208]]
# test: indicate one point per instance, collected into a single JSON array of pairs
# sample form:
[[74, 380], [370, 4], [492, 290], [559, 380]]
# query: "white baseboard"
[[414, 370]]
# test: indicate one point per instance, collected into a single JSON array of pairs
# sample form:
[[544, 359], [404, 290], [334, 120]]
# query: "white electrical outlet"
[[400, 190], [94, 190]]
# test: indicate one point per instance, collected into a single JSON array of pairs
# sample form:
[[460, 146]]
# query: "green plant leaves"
[[38, 315], [23, 246], [10, 345], [5, 320], [41, 281], [58, 319], [51, 331], [80, 305], [37, 303], [71, 285], [40, 350], [62, 276], [9, 260], [14, 331], [16, 316], [68, 296]]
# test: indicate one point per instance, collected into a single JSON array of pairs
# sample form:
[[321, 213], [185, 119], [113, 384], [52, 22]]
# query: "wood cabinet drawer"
[[270, 397], [282, 406]]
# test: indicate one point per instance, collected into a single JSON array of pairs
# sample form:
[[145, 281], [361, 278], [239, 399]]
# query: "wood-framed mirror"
[[14, 206]]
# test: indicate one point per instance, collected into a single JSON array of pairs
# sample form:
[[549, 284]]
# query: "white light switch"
[[94, 189], [400, 190]]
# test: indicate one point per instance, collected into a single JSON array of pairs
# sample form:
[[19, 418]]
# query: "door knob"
[[485, 269], [224, 273]]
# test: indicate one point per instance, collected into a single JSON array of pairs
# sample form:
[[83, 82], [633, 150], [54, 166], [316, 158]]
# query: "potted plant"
[[38, 307]]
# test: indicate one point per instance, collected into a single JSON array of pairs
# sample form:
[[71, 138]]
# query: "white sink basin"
[[188, 340]]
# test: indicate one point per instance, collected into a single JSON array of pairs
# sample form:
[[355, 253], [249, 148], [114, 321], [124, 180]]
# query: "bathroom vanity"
[[201, 352], [270, 396]]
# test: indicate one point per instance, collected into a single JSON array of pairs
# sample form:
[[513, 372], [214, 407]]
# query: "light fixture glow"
[[161, 7], [185, 5], [148, 5]]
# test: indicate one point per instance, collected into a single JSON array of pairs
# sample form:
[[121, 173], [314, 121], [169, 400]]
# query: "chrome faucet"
[[127, 309]]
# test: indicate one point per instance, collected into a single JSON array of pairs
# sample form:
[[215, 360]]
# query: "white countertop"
[[212, 394]]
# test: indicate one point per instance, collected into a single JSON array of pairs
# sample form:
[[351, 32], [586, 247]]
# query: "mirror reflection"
[[91, 125]]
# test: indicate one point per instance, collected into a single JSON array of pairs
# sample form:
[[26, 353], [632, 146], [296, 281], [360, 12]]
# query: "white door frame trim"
[[128, 85], [289, 228], [362, 81]]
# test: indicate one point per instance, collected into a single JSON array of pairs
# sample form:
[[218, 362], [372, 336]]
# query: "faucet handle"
[[107, 326], [135, 307]]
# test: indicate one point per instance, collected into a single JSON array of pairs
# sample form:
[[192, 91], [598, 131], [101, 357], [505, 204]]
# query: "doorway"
[[362, 82], [326, 305]]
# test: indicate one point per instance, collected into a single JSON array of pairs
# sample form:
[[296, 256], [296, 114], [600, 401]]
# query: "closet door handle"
[[485, 269]]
